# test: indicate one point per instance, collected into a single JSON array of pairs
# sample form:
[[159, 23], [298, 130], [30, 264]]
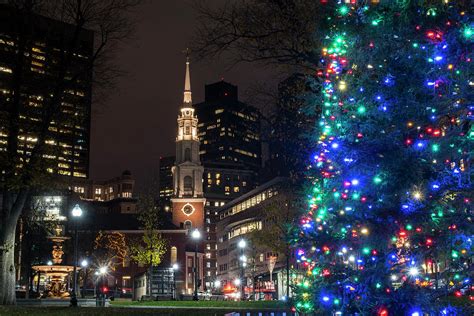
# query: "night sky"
[[137, 125]]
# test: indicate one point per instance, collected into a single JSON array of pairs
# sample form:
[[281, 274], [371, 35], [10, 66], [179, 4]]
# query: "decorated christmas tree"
[[389, 226]]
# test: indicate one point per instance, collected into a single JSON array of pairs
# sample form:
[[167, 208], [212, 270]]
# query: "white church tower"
[[187, 201]]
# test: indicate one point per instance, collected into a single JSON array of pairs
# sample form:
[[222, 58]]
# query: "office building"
[[67, 137], [165, 183], [264, 274], [229, 131]]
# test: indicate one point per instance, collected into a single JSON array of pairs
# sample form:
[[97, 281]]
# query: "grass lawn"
[[99, 311], [217, 304]]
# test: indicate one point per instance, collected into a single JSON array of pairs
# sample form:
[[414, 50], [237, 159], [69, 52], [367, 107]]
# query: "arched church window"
[[188, 183], [187, 130], [187, 154], [174, 254]]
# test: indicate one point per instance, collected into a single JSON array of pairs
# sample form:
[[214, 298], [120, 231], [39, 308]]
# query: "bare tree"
[[273, 32], [110, 22], [283, 35]]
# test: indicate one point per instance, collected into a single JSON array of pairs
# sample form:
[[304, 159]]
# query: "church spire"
[[187, 101]]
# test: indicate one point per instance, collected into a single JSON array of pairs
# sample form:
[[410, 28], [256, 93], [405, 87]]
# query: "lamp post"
[[243, 261], [196, 235], [100, 296], [84, 264], [175, 268], [76, 213]]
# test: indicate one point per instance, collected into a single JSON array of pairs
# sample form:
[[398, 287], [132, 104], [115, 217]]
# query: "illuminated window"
[[227, 189], [236, 189], [127, 194], [79, 189], [98, 191], [216, 203], [219, 111], [111, 189], [174, 254]]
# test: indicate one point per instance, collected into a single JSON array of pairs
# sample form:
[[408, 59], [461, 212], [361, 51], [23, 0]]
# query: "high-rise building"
[[229, 131], [166, 182], [41, 44]]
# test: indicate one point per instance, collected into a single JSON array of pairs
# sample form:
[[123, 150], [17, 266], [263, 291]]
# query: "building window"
[[79, 189], [208, 264], [227, 189], [127, 194], [111, 189], [174, 254], [236, 189], [98, 191], [187, 154]]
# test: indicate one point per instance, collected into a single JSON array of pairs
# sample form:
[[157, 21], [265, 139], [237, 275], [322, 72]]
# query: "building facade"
[[165, 185], [262, 271], [229, 131], [41, 46]]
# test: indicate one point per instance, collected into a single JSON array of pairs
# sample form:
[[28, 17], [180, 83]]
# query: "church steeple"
[[187, 100], [188, 201]]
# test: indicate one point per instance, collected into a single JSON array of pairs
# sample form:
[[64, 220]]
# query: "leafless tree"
[[111, 23]]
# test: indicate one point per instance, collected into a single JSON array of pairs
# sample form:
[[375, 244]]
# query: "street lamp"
[[243, 261], [196, 235], [84, 264], [76, 213], [175, 268], [100, 296]]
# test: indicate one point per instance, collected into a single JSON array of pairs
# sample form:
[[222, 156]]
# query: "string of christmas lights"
[[389, 224]]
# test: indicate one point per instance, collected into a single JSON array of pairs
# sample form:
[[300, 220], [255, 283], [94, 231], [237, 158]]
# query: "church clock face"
[[188, 209]]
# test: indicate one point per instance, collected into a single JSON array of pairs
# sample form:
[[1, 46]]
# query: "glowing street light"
[[76, 214], [243, 262], [102, 270], [175, 268], [84, 265], [196, 235]]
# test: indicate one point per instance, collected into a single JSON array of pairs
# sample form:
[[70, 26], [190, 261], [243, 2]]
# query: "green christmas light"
[[343, 10], [361, 109], [468, 32], [377, 180]]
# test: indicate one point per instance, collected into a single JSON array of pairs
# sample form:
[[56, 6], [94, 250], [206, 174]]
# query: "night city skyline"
[[244, 157], [138, 124]]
